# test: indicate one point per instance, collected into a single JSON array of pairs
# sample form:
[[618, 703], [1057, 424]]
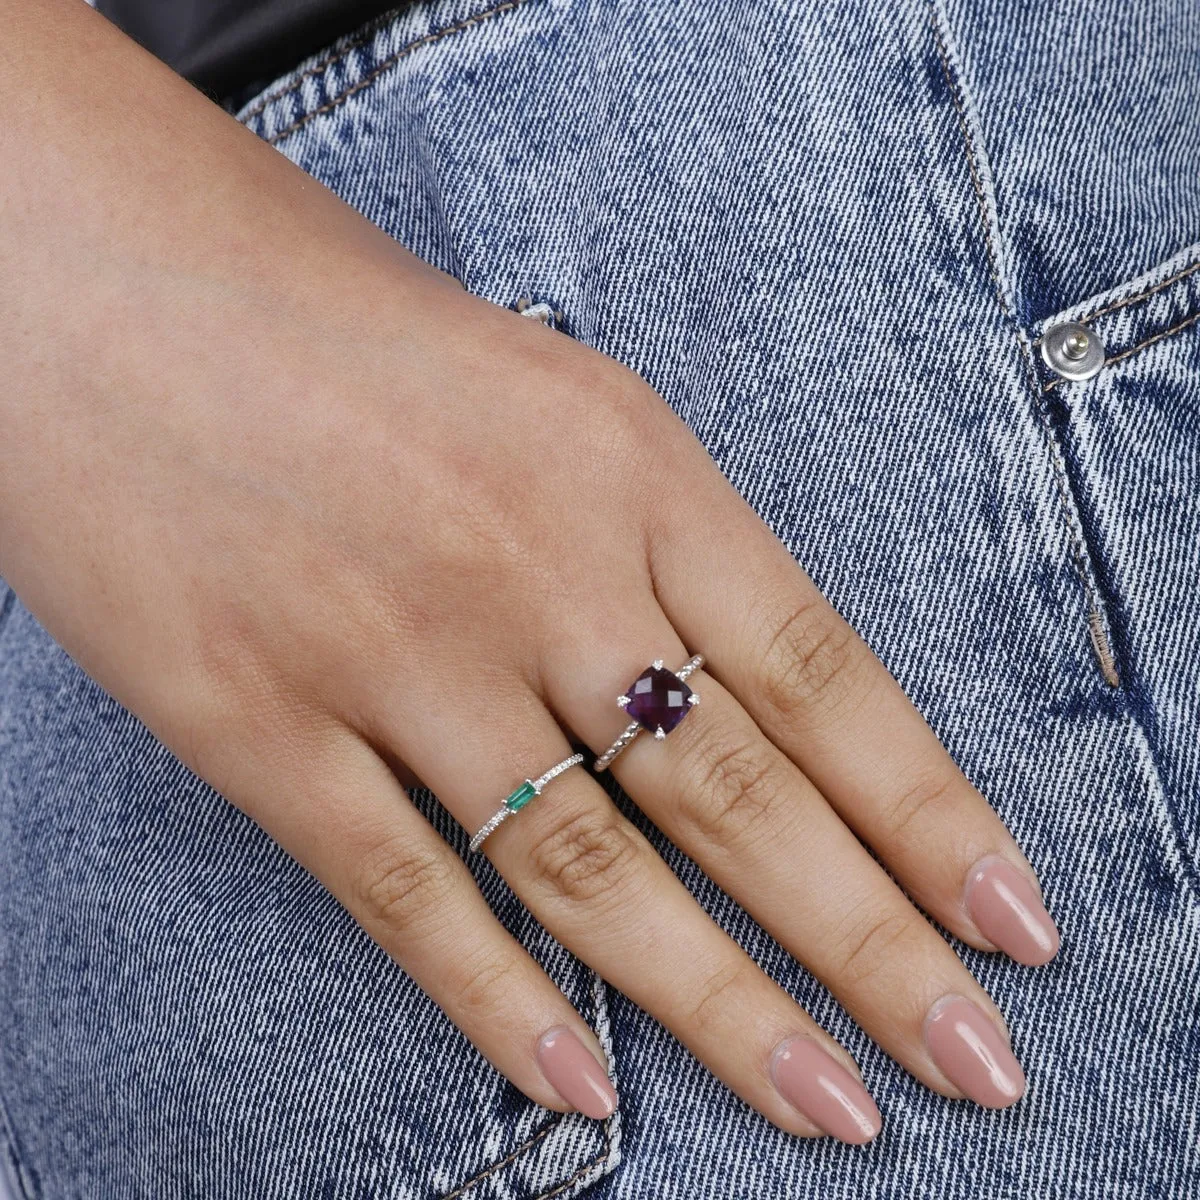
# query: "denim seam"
[[1142, 345], [512, 1156], [1158, 337], [1188, 866], [610, 1155], [338, 51], [566, 1183], [990, 243], [380, 68], [1179, 269], [1150, 291], [1097, 626]]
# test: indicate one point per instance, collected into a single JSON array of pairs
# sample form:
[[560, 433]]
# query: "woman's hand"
[[326, 522]]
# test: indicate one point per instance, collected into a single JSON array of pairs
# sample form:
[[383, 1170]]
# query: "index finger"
[[816, 690]]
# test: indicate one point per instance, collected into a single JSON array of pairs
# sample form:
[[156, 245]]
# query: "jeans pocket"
[[1130, 440]]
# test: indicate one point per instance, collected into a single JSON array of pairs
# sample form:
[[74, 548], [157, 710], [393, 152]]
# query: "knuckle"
[[233, 652], [810, 661], [871, 943], [735, 788], [397, 887], [717, 996], [587, 856], [930, 792], [622, 424], [626, 397]]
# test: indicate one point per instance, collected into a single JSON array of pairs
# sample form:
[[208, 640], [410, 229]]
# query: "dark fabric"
[[227, 47]]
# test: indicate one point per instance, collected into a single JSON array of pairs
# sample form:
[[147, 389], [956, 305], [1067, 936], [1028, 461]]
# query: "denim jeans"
[[836, 239]]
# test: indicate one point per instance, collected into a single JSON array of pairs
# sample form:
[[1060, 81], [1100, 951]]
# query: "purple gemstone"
[[658, 697]]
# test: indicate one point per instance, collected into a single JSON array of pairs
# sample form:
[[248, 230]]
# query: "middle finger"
[[722, 792], [595, 883]]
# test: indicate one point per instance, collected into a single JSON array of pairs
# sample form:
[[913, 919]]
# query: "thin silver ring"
[[519, 797], [635, 727]]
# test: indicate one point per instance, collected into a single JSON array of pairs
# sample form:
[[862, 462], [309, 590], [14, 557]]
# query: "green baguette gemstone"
[[520, 797]]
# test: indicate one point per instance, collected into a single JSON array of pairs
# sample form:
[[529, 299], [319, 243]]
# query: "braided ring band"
[[517, 799], [662, 699]]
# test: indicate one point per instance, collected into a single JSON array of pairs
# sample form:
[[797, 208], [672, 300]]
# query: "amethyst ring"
[[657, 699]]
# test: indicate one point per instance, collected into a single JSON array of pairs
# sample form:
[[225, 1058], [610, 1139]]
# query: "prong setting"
[[519, 797], [657, 700]]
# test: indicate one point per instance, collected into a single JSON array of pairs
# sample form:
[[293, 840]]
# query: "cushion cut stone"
[[657, 697]]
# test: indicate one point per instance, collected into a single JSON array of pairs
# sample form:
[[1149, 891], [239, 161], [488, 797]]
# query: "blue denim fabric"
[[830, 235]]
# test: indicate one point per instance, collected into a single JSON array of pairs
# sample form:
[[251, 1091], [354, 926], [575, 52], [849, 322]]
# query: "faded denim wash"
[[830, 235]]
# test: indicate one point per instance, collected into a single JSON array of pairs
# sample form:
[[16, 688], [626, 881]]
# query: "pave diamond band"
[[658, 699], [521, 796]]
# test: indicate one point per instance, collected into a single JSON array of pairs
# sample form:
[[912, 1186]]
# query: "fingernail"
[[816, 1084], [1005, 906], [572, 1071], [972, 1053]]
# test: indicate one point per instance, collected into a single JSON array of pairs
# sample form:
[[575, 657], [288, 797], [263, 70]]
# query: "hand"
[[326, 537], [315, 560]]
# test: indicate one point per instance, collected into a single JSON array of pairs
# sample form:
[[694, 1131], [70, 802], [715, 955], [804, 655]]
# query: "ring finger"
[[733, 802], [600, 888]]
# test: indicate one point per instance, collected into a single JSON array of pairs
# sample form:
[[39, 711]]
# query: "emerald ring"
[[519, 797]]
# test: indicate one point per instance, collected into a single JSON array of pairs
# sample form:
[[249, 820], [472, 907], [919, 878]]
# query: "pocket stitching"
[[376, 72], [1150, 291], [566, 1183], [1142, 345], [317, 68], [611, 1126], [1158, 337], [1188, 302], [462, 1189]]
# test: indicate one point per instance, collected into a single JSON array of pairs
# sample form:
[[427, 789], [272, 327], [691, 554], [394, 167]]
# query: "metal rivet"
[[1076, 345], [1072, 350]]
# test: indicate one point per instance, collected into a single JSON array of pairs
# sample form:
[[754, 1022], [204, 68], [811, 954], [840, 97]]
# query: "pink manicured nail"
[[972, 1053], [572, 1071], [1005, 906], [816, 1084]]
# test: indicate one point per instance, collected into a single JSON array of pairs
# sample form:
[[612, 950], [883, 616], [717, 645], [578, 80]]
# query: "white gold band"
[[519, 797]]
